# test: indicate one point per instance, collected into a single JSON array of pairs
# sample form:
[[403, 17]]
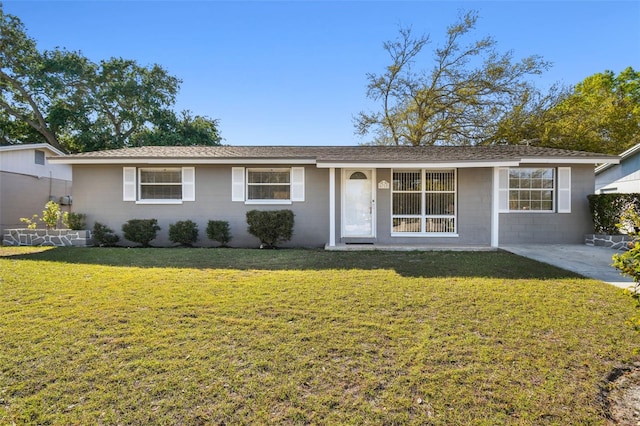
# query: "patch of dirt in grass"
[[621, 395]]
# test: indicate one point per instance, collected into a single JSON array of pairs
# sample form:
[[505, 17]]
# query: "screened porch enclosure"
[[424, 202]]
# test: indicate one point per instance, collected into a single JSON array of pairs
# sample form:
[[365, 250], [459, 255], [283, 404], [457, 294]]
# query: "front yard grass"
[[209, 336]]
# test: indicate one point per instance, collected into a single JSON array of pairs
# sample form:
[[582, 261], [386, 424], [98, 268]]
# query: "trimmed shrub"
[[218, 230], [184, 232], [270, 227], [608, 209], [141, 231], [75, 221], [103, 236]]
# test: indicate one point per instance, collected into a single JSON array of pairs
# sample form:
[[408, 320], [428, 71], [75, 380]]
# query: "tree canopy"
[[599, 114], [63, 98], [459, 101]]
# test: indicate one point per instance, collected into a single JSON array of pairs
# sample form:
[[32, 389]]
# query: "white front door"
[[358, 212]]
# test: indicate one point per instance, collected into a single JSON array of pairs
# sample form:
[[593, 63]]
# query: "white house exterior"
[[28, 180], [621, 178]]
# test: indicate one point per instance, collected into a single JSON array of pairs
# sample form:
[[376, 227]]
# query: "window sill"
[[425, 234], [529, 211], [268, 202], [158, 202]]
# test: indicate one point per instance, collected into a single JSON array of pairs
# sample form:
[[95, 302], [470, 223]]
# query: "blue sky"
[[294, 72]]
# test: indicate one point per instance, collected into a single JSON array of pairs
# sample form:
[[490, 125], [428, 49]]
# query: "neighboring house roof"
[[628, 153], [339, 156], [25, 146]]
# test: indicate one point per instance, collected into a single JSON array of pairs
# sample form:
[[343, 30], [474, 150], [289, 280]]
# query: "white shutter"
[[188, 184], [237, 184], [297, 184], [128, 184], [564, 189], [503, 189]]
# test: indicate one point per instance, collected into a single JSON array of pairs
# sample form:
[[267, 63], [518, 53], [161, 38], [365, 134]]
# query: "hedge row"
[[270, 227], [607, 210]]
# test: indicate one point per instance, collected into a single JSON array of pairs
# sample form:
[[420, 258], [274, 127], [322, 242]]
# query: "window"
[[267, 185], [531, 189], [424, 201], [159, 185], [39, 157]]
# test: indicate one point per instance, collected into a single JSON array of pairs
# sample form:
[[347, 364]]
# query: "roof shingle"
[[342, 153]]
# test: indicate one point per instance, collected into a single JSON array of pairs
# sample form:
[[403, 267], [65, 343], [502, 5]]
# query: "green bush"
[[51, 214], [141, 231], [103, 236], [183, 232], [75, 221], [270, 227], [218, 230], [608, 209], [628, 262]]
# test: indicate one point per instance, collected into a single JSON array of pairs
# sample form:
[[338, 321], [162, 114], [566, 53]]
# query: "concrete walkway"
[[588, 261]]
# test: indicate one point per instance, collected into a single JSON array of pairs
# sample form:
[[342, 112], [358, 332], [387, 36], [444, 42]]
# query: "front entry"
[[358, 203]]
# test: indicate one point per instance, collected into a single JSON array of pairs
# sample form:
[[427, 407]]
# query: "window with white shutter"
[[156, 185], [539, 189], [268, 185]]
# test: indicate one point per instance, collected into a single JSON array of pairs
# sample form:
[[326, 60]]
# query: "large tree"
[[599, 114], [459, 100], [184, 129], [63, 98]]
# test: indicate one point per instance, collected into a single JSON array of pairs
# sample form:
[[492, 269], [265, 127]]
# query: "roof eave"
[[141, 160], [571, 160], [43, 145]]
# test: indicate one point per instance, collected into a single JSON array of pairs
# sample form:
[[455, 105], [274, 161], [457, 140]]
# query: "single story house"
[[441, 196], [620, 178], [28, 180]]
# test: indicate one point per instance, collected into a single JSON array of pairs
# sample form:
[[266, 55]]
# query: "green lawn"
[[214, 336]]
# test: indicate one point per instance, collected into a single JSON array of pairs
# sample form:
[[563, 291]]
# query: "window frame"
[[240, 185], [249, 184], [427, 220], [39, 157], [554, 190]]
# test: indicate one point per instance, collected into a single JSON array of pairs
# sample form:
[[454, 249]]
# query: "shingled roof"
[[337, 154]]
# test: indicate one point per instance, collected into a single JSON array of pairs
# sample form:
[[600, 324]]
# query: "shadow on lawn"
[[427, 264]]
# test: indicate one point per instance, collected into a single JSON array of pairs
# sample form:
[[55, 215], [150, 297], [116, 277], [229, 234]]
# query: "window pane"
[[160, 176], [440, 204], [269, 192], [407, 181], [267, 176], [161, 192], [440, 224], [407, 203], [440, 181], [39, 157], [406, 225]]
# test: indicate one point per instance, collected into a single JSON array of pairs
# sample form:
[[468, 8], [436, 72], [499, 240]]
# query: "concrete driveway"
[[588, 261]]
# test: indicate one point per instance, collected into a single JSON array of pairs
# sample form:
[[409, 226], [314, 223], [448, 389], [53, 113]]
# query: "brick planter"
[[615, 242], [47, 237]]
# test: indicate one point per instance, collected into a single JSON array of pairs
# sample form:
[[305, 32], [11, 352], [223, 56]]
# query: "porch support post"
[[332, 207], [495, 207]]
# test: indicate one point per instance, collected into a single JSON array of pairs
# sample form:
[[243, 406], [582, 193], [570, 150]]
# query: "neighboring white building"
[[28, 181], [620, 178]]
